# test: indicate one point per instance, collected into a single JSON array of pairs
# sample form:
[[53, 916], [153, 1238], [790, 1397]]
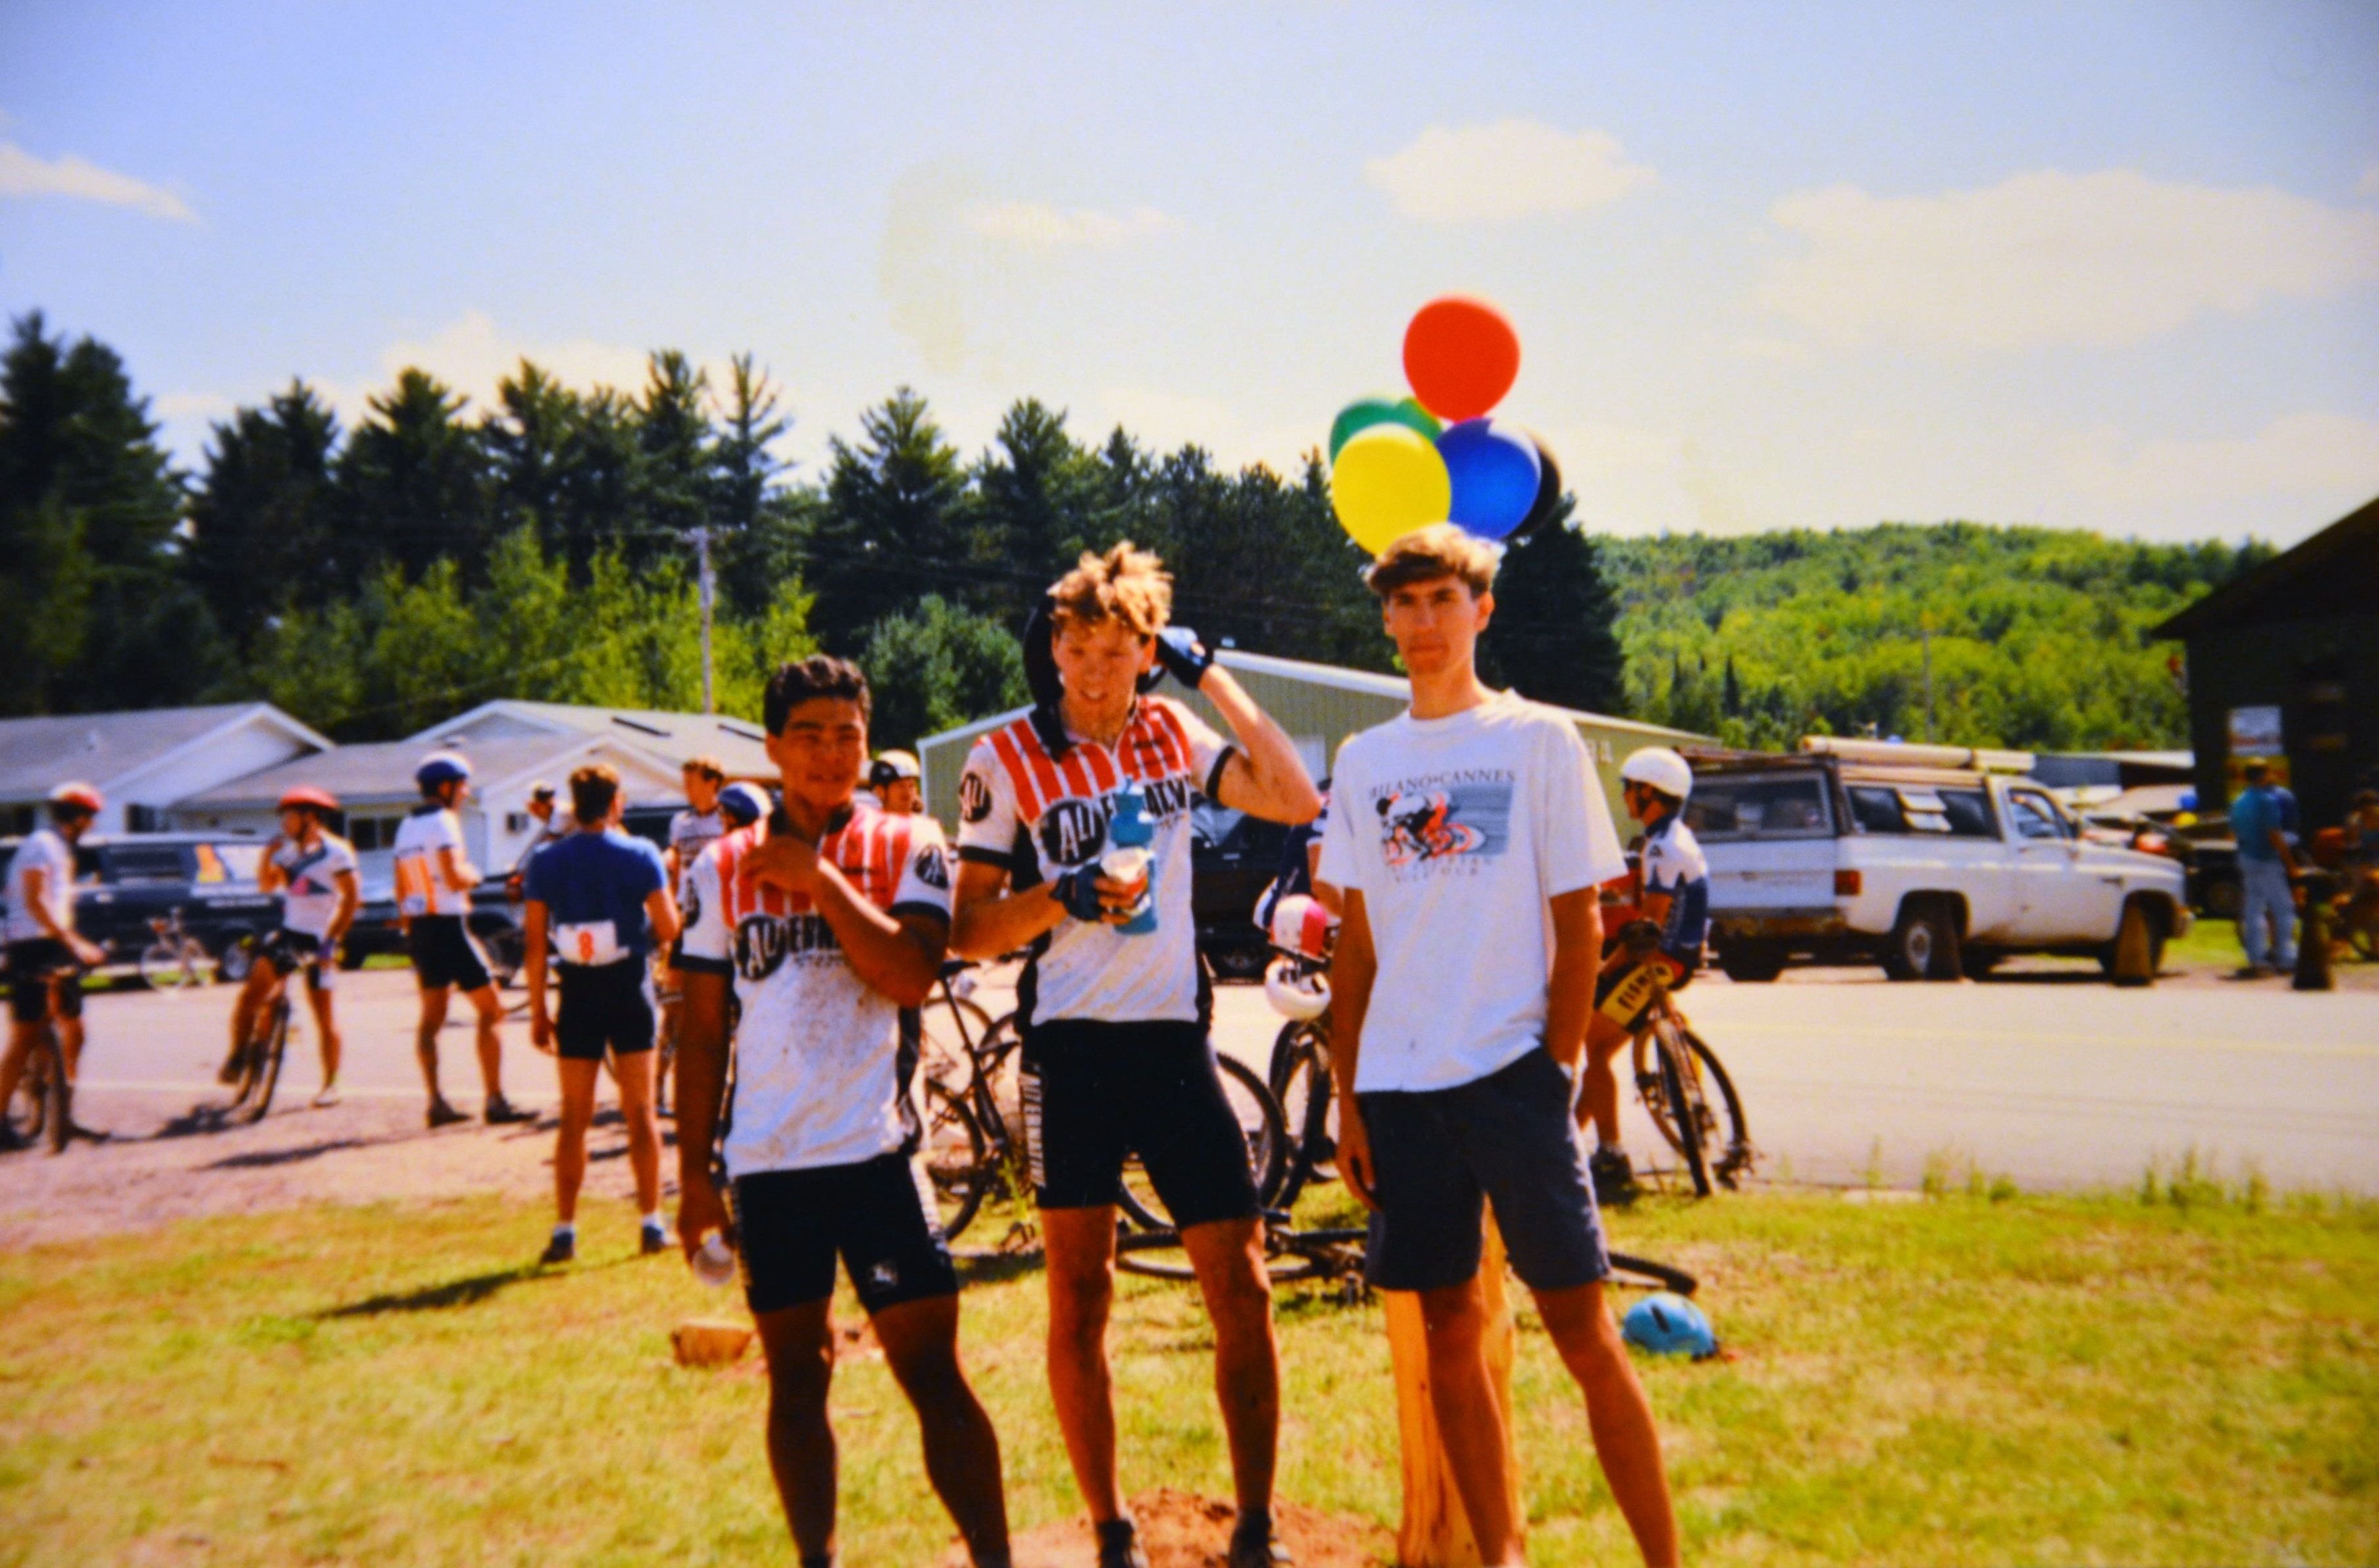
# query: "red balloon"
[[1461, 356]]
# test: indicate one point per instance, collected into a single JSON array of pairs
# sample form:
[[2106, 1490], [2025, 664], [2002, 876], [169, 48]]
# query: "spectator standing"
[[2259, 821]]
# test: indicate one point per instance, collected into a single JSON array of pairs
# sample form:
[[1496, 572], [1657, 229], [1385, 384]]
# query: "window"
[[373, 832], [1789, 806], [2034, 817], [1878, 809], [1969, 812], [149, 863], [229, 862]]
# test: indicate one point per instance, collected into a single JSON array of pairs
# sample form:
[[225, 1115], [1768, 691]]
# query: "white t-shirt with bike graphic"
[[1457, 831]]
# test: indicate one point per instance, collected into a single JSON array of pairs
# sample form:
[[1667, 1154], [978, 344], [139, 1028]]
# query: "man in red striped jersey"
[[1115, 1056], [826, 920]]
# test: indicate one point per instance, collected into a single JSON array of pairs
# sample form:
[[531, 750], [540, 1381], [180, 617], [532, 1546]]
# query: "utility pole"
[[1926, 624], [704, 581]]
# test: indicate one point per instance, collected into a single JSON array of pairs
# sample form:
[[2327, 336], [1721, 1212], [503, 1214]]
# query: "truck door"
[[2061, 902]]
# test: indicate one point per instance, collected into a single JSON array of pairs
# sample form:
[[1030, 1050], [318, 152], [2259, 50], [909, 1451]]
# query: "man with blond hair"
[[1114, 1021], [1469, 836]]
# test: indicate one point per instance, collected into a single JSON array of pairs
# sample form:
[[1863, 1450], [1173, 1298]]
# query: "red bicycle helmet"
[[79, 797], [307, 795]]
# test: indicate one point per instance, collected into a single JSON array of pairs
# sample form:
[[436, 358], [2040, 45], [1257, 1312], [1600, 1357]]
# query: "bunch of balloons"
[[1401, 463]]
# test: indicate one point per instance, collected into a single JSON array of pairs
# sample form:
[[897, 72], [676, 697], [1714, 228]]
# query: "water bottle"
[[714, 1260], [1129, 832]]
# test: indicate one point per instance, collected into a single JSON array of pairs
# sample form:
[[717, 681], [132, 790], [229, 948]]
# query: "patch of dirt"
[[1181, 1529]]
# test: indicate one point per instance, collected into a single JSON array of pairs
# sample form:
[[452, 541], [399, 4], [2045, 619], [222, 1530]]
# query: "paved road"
[[2055, 1080]]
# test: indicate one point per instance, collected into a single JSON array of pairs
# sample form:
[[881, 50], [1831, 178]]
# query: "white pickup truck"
[[1854, 855]]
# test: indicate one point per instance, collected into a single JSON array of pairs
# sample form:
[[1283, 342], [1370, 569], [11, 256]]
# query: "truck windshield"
[[1776, 806]]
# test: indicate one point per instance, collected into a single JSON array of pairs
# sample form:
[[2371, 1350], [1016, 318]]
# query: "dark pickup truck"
[[123, 881]]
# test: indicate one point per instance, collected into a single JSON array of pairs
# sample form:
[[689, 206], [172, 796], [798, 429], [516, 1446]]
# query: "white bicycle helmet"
[[1301, 924], [1295, 992], [1662, 769]]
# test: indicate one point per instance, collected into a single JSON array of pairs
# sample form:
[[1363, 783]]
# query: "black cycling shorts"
[[1096, 1094], [876, 1215], [445, 954], [603, 1005], [289, 951], [31, 966], [1508, 1139]]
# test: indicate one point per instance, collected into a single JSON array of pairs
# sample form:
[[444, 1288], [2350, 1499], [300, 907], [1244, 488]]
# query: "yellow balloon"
[[1387, 481]]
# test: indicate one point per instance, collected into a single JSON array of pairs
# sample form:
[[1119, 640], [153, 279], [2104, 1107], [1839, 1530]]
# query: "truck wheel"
[[2223, 897], [2110, 954], [1921, 943], [1751, 964]]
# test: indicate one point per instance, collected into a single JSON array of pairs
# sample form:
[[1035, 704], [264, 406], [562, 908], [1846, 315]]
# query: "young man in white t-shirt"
[[1468, 838], [1113, 1018], [823, 922]]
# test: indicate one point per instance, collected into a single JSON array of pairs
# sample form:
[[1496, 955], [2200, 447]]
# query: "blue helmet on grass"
[[1669, 1325]]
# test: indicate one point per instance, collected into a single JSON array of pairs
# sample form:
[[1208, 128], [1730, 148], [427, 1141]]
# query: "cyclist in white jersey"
[[434, 878], [314, 871], [45, 953], [1116, 1058], [823, 922], [691, 831]]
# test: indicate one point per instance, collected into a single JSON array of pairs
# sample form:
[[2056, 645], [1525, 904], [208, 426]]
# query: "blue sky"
[[2112, 267]]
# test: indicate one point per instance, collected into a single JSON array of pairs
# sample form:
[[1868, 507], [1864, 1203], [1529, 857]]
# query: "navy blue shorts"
[[1507, 1138], [1095, 1093], [445, 954], [876, 1215], [602, 1004]]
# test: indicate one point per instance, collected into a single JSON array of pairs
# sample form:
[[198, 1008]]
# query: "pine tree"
[[1553, 637], [886, 533]]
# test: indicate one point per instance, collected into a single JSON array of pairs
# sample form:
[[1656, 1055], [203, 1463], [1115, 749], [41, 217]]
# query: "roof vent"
[[631, 724]]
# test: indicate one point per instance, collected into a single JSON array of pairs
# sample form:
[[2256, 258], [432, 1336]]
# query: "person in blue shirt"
[[2259, 820], [599, 903]]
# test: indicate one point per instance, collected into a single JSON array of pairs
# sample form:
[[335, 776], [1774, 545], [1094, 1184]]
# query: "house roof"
[[36, 754], [2333, 573], [675, 737], [382, 771]]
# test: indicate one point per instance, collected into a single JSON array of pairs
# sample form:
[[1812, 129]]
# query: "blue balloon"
[[1494, 466]]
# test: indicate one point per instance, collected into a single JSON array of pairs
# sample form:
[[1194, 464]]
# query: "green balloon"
[[1364, 412]]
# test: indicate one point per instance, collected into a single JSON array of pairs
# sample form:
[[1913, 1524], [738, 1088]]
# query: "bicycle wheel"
[[1301, 1083], [956, 1160], [1153, 1254], [58, 1118], [29, 1110], [1730, 1138], [1672, 1094], [1641, 1273], [264, 1060], [951, 1028], [1258, 1115]]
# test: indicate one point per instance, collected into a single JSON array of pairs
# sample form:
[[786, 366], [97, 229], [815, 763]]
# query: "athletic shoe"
[[562, 1248], [234, 1064], [12, 1142], [443, 1114], [1254, 1546], [88, 1134], [501, 1110], [654, 1239], [1119, 1545], [1615, 1179], [326, 1097]]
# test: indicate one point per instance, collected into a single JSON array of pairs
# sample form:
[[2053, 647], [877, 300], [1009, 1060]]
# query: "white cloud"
[[1031, 225], [1585, 451], [1778, 350], [1509, 169], [192, 407], [2307, 454], [2049, 258], [470, 356], [23, 173]]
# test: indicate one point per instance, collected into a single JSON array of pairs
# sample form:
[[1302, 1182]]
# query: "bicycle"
[[1298, 1077], [42, 1109], [1673, 1069], [267, 1047], [175, 961]]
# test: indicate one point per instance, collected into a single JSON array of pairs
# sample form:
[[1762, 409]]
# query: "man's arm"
[[1352, 967], [661, 911], [1578, 957], [37, 882], [270, 877], [351, 892], [1264, 777], [899, 957], [457, 872], [701, 1084], [540, 1021]]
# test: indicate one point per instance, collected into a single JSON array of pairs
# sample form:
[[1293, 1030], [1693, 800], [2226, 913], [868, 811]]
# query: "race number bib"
[[587, 943]]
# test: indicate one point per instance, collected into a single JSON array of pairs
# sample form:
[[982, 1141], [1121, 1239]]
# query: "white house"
[[673, 738], [143, 762]]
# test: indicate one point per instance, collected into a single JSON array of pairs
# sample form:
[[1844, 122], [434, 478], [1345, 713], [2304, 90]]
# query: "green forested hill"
[[2039, 636]]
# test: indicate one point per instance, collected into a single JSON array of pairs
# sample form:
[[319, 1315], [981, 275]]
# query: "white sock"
[[568, 1228], [1606, 1148], [653, 1220]]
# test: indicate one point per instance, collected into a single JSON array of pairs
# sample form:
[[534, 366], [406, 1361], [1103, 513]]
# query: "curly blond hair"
[[1126, 585]]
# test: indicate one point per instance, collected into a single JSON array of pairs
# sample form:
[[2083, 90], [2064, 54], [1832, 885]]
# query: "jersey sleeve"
[[987, 809], [656, 870], [342, 857], [442, 830], [1577, 846], [1341, 856], [1208, 751], [536, 879], [707, 944], [925, 883]]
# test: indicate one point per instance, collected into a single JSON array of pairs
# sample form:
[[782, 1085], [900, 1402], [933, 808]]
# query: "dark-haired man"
[[1469, 843], [599, 903], [1116, 1059], [826, 920]]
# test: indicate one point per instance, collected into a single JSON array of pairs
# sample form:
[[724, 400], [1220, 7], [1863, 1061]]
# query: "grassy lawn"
[[2170, 1377]]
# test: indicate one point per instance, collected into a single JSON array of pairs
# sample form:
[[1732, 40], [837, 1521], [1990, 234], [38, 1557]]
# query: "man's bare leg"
[[1462, 1395], [326, 1032], [1229, 1259], [799, 1344], [1617, 1412], [920, 1345], [635, 1073], [254, 993], [491, 1045], [570, 1148], [1598, 1102], [1079, 1246], [12, 1064]]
